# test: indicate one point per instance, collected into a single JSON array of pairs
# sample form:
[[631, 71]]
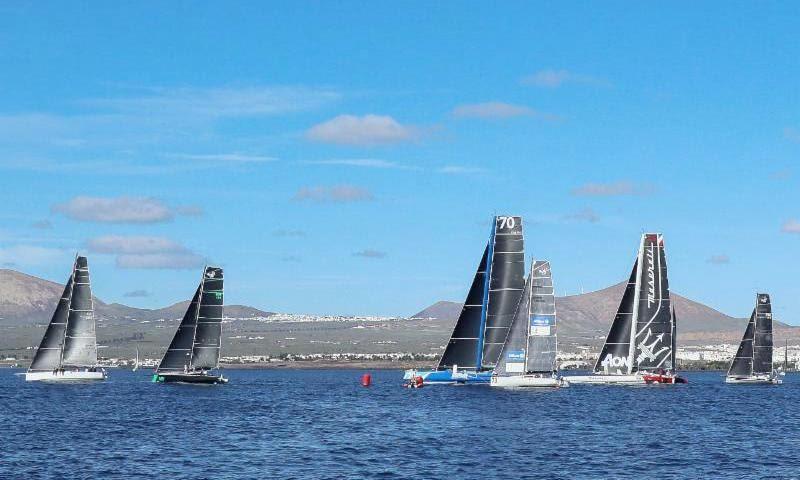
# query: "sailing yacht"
[[753, 361], [640, 347], [528, 358], [482, 327], [193, 354], [68, 351]]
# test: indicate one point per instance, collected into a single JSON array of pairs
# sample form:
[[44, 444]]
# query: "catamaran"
[[753, 361], [68, 351], [640, 347], [193, 354], [482, 327], [528, 358]]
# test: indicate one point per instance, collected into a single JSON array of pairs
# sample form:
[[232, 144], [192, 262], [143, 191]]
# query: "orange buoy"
[[366, 380]]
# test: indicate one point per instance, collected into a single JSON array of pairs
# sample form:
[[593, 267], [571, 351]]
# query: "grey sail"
[[653, 339], [462, 349], [742, 364], [80, 342], [506, 281], [208, 334], [48, 355], [762, 336], [179, 353], [615, 356], [542, 340], [512, 356], [673, 363]]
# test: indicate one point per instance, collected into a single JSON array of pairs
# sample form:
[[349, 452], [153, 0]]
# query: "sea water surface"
[[277, 424]]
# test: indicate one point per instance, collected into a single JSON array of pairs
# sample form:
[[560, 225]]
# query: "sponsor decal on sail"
[[612, 361], [651, 277], [515, 355], [647, 352]]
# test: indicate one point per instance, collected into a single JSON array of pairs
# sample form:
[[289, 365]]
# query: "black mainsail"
[[513, 355], [196, 344], [641, 336], [754, 355], [542, 340], [48, 355], [80, 340]]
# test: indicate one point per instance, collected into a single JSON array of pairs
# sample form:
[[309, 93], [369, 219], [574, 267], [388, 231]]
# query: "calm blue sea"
[[322, 424]]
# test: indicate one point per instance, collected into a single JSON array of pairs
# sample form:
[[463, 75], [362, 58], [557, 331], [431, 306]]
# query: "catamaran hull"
[[525, 381], [448, 377], [65, 376], [754, 380], [196, 379], [635, 379]]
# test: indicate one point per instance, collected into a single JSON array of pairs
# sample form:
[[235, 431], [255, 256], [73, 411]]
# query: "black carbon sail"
[[80, 342], [762, 336], [513, 355], [542, 340], [48, 355], [742, 364], [462, 349], [506, 271], [196, 344], [653, 338], [615, 356]]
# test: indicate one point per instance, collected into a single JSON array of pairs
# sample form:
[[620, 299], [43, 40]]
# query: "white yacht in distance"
[[753, 361], [640, 347], [68, 351], [528, 358]]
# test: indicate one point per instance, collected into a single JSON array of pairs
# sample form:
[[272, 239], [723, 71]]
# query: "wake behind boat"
[[482, 326], [753, 361], [528, 358], [193, 354], [640, 347], [68, 350]]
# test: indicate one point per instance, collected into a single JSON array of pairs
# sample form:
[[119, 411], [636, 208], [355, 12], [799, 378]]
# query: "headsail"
[[506, 272], [462, 349], [742, 364], [513, 355], [196, 343], [48, 355], [80, 342], [542, 340], [653, 337], [615, 356], [762, 337]]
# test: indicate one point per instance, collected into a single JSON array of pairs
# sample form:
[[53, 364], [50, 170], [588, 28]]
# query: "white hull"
[[525, 381], [754, 380], [634, 379], [65, 376]]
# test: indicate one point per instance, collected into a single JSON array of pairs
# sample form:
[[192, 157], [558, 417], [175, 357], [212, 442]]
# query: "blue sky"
[[338, 157]]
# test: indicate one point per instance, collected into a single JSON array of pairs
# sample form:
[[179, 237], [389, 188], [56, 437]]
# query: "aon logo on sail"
[[614, 362]]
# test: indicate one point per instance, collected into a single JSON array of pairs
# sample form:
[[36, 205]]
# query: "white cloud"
[[585, 215], [367, 130], [791, 226], [166, 261], [461, 170], [361, 162], [335, 194], [145, 252], [551, 78], [121, 210], [614, 189], [720, 259], [492, 110], [370, 253], [224, 157]]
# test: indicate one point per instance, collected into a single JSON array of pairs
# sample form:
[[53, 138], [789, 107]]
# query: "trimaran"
[[753, 361], [528, 358], [483, 325], [193, 354], [640, 347], [68, 351]]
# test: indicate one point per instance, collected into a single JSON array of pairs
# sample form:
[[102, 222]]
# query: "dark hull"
[[189, 378]]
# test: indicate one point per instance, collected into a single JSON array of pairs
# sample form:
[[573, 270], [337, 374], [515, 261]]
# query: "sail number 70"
[[507, 222]]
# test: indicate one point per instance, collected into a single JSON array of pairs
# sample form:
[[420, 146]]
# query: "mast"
[[786, 356], [674, 328], [80, 340], [48, 355]]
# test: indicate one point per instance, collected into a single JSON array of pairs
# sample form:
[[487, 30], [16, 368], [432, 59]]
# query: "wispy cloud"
[[367, 130], [145, 252], [613, 189], [461, 170], [30, 255], [492, 110], [792, 134], [289, 233], [361, 162], [42, 224], [120, 210], [720, 259], [137, 294], [369, 253], [585, 215], [550, 78], [291, 259], [334, 194], [784, 174], [791, 226], [224, 157]]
